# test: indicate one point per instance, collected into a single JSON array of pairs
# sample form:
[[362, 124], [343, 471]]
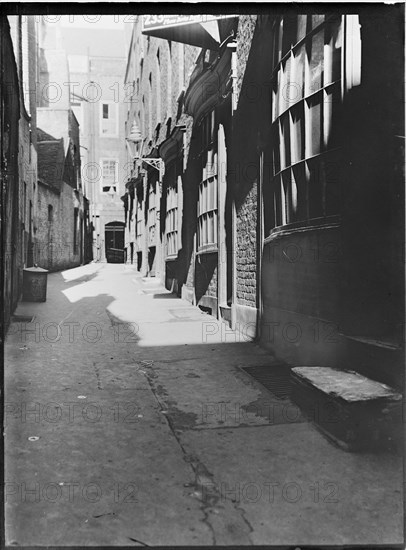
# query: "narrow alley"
[[129, 421]]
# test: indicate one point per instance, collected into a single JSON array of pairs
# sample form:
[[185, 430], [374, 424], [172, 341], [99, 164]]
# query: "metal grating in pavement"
[[275, 378], [23, 318]]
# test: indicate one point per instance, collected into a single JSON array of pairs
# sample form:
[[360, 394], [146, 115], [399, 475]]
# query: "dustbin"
[[35, 284]]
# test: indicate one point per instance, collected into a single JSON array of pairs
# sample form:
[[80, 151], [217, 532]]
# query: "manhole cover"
[[275, 378]]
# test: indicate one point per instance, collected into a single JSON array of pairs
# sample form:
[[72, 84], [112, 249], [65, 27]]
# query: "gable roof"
[[51, 160]]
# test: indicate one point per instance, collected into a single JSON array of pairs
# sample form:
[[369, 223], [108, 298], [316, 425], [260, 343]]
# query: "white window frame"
[[109, 103], [107, 159], [172, 221], [207, 204]]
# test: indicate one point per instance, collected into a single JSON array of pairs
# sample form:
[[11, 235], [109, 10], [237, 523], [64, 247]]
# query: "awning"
[[204, 31]]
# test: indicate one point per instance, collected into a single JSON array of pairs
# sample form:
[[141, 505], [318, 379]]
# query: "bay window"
[[207, 199], [306, 99]]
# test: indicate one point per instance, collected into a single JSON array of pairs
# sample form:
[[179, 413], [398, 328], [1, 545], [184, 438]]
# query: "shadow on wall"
[[190, 181], [205, 266]]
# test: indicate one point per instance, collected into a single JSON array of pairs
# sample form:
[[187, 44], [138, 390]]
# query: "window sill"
[[207, 249], [314, 224]]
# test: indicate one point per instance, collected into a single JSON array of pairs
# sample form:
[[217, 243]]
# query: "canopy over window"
[[203, 31]]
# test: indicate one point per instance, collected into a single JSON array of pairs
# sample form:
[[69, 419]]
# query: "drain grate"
[[23, 318], [276, 379]]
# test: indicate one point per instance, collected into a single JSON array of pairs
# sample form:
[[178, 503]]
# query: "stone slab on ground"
[[355, 412]]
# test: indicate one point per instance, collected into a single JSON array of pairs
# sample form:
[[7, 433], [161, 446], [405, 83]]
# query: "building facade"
[[271, 213], [98, 98], [35, 104], [20, 191], [324, 229], [10, 114], [156, 78], [63, 225]]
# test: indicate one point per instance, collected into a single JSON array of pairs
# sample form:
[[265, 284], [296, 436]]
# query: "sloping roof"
[[51, 160], [44, 136]]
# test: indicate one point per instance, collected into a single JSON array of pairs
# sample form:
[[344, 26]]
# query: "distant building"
[[60, 213], [63, 225], [99, 100]]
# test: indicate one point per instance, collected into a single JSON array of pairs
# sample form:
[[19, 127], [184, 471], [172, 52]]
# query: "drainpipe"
[[233, 46]]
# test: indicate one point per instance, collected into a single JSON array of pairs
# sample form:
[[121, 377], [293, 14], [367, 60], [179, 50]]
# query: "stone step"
[[353, 411]]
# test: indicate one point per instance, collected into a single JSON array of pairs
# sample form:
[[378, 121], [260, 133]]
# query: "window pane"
[[284, 141], [332, 181], [315, 188], [297, 133], [275, 100], [280, 202], [315, 55], [109, 119], [210, 194], [276, 149], [296, 88], [331, 116], [204, 197], [283, 202], [332, 52], [289, 32], [317, 19], [285, 85], [301, 27], [313, 126], [290, 190], [277, 201], [298, 174], [278, 42], [210, 228]]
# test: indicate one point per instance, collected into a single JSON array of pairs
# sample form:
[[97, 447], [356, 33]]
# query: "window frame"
[[207, 203], [293, 122], [152, 213], [172, 212], [108, 102], [116, 175]]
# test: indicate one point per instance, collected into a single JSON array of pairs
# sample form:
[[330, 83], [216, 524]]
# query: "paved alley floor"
[[128, 421]]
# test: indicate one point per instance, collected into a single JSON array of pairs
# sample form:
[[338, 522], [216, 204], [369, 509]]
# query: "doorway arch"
[[114, 242]]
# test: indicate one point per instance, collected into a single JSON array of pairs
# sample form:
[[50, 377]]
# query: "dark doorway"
[[132, 252], [139, 261], [114, 242], [151, 261]]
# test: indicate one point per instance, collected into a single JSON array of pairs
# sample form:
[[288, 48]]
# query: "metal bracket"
[[158, 164]]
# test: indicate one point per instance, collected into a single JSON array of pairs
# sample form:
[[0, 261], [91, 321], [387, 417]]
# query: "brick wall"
[[246, 254], [54, 248], [245, 33]]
